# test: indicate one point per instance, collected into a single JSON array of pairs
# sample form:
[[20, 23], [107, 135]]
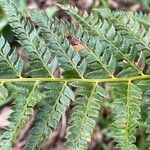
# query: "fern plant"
[[114, 62]]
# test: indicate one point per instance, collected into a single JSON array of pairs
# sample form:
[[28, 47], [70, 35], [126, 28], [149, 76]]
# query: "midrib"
[[125, 79]]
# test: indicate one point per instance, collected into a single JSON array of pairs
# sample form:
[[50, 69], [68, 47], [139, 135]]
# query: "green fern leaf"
[[114, 63], [11, 63], [25, 100], [127, 110], [84, 115], [116, 48], [144, 85], [127, 26], [60, 96], [60, 45], [105, 32], [37, 51]]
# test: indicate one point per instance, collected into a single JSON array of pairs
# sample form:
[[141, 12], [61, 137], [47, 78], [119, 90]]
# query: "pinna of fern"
[[110, 65]]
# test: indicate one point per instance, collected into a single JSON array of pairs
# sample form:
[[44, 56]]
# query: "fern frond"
[[98, 52], [137, 37], [84, 115], [11, 65], [102, 32], [142, 18], [127, 26], [25, 100], [126, 23], [69, 59], [144, 85], [38, 53], [105, 32], [57, 99], [100, 60], [127, 110], [112, 63]]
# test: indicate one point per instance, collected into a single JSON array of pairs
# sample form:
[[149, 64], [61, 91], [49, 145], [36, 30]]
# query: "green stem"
[[128, 115], [126, 79]]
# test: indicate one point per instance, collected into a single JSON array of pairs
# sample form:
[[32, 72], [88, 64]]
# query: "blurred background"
[[101, 138]]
